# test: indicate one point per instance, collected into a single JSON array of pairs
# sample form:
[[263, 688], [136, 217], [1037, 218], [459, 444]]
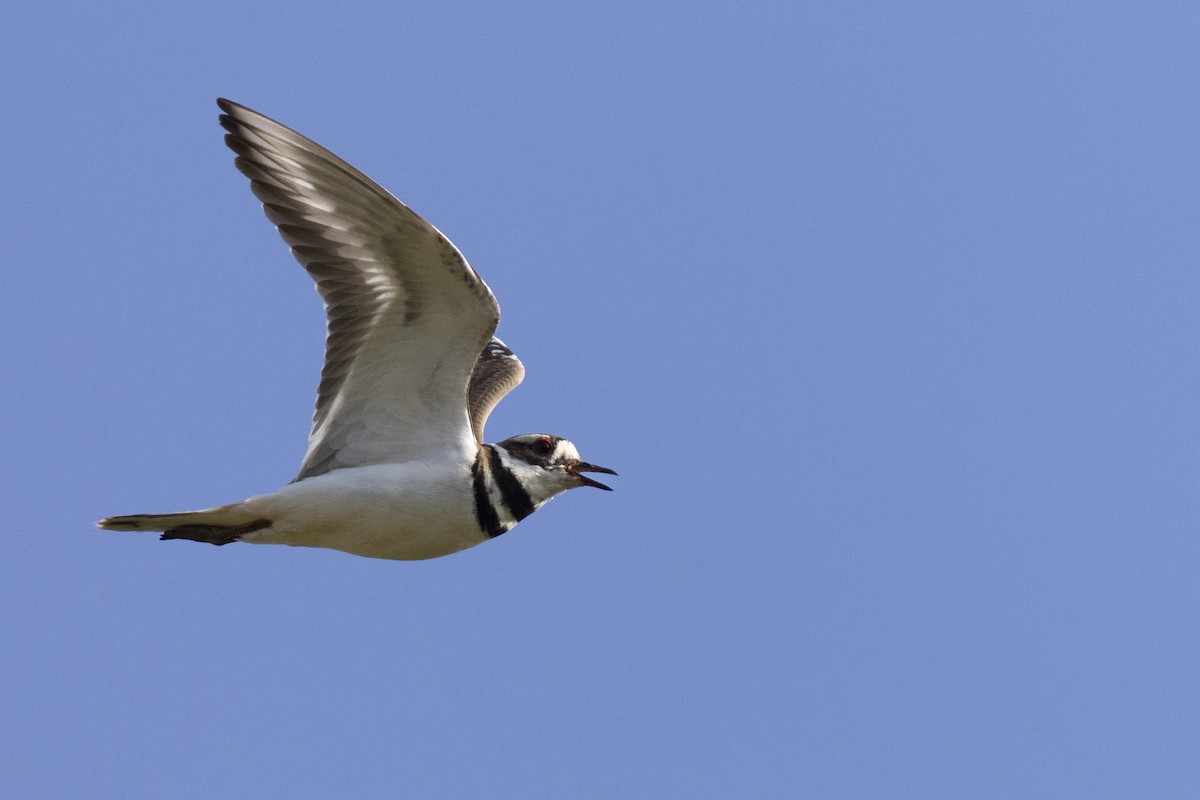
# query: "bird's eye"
[[543, 447]]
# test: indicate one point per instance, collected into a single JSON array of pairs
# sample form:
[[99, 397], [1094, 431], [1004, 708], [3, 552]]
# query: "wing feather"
[[407, 317], [496, 373]]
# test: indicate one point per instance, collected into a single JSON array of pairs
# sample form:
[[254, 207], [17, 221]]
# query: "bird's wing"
[[497, 372], [407, 316]]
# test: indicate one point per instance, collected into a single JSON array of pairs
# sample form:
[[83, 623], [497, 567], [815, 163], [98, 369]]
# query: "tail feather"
[[218, 526], [214, 534]]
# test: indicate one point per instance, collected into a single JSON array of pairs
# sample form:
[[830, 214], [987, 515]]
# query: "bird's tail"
[[220, 525]]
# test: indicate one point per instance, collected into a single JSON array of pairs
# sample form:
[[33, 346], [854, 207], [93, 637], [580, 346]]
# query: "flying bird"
[[396, 465]]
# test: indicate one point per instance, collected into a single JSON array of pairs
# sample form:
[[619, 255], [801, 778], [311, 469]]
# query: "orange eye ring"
[[543, 447]]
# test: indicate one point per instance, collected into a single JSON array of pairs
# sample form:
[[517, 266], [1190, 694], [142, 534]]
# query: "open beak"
[[583, 466]]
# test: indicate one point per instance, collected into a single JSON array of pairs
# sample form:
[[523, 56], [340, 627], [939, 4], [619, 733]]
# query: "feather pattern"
[[496, 373], [407, 317]]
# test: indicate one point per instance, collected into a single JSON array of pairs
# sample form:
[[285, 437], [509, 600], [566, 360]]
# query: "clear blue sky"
[[887, 313]]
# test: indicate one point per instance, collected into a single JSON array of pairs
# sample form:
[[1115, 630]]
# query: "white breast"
[[406, 511]]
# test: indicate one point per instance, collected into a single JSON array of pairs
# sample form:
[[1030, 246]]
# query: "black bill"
[[583, 466]]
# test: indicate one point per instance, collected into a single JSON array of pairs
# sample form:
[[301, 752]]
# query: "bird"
[[396, 465]]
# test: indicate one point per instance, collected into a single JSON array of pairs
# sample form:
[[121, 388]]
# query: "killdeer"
[[396, 465]]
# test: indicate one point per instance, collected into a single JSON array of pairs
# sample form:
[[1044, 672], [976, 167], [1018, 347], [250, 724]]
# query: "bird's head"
[[549, 463]]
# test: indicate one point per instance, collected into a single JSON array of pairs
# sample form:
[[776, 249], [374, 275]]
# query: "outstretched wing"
[[497, 372], [407, 316]]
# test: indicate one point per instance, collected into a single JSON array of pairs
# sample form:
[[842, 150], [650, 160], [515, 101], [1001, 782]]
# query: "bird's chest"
[[402, 511]]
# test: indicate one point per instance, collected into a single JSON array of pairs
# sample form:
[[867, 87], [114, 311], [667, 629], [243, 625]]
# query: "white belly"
[[401, 511]]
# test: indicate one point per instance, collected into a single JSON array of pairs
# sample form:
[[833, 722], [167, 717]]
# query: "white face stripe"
[[564, 453]]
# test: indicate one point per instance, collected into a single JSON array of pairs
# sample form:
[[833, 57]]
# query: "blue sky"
[[885, 312]]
